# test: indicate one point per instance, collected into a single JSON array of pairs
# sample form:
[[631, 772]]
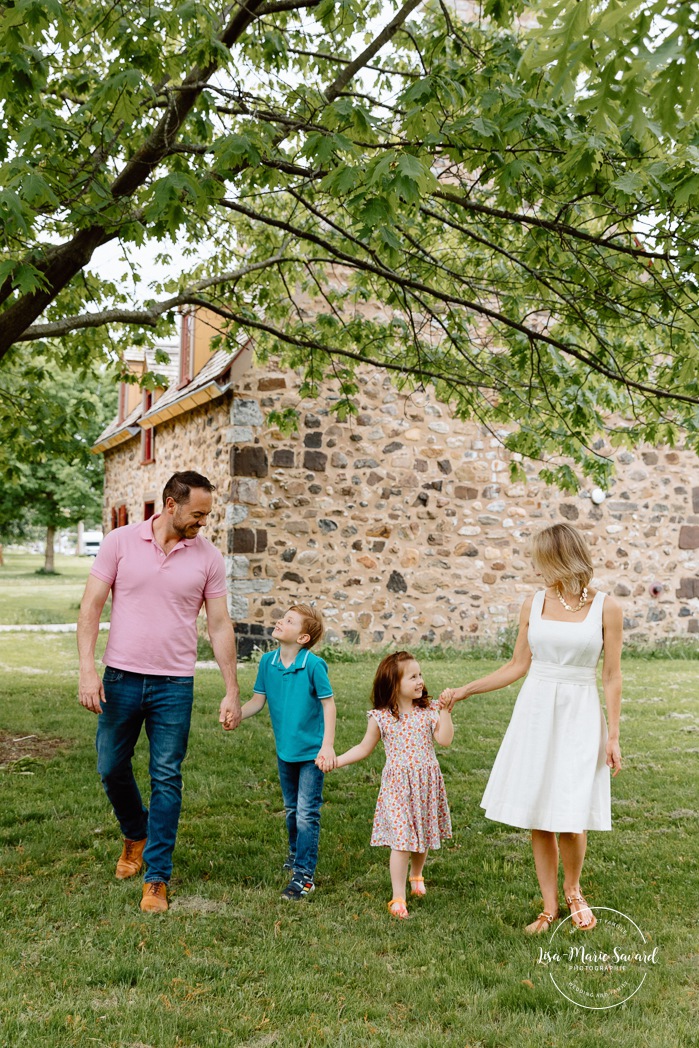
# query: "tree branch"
[[555, 227], [386, 34], [68, 259], [148, 317], [71, 257], [392, 277], [333, 351], [285, 5]]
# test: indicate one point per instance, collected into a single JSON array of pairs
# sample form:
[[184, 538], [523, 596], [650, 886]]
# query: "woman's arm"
[[362, 749], [444, 732], [613, 626], [514, 669]]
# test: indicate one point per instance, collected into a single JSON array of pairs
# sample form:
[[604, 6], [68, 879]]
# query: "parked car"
[[92, 540]]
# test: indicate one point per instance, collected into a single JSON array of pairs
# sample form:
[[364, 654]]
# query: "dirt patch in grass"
[[18, 746]]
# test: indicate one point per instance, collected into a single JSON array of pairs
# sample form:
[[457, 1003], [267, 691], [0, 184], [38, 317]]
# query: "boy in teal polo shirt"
[[295, 683]]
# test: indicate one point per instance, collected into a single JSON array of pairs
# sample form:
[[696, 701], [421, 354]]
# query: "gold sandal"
[[579, 898], [397, 908], [542, 923], [417, 886]]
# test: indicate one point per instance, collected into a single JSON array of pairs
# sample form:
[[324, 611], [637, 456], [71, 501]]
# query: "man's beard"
[[182, 529]]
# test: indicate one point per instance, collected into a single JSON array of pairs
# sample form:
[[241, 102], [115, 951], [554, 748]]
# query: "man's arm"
[[90, 690], [222, 640]]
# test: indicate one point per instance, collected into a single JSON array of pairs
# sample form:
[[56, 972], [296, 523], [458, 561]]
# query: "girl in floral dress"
[[412, 814]]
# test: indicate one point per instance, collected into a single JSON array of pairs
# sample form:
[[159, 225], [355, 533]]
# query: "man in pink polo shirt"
[[160, 572]]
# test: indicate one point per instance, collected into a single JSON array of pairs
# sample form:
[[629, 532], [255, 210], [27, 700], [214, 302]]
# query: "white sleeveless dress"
[[550, 772]]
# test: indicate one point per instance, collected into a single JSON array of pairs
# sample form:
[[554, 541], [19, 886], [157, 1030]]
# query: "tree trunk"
[[48, 556]]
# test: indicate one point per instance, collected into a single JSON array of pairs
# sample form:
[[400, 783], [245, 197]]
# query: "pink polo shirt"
[[156, 598]]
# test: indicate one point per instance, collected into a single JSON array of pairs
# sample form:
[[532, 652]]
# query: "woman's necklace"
[[581, 604]]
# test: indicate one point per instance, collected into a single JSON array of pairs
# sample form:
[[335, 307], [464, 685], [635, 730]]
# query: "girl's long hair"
[[384, 691]]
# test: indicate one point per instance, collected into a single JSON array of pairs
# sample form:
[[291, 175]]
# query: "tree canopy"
[[501, 201]]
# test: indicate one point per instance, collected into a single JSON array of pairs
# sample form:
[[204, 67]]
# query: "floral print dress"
[[412, 813]]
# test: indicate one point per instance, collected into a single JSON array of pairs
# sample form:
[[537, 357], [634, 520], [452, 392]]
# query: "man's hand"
[[91, 690], [230, 714], [326, 759]]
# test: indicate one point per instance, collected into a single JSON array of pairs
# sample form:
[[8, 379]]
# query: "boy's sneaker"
[[298, 888], [289, 864]]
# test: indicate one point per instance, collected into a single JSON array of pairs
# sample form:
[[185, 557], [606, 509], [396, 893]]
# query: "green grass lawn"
[[28, 598], [231, 964]]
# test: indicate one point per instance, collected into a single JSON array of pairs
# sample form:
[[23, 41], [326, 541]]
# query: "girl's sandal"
[[397, 908], [417, 886], [541, 924], [578, 900]]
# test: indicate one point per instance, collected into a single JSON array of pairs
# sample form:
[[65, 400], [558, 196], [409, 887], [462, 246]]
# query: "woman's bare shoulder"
[[612, 607]]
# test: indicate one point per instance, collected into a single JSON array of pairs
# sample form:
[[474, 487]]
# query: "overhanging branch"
[[552, 226], [394, 278]]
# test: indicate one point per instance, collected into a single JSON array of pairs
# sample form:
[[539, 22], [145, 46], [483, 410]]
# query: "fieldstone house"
[[402, 523]]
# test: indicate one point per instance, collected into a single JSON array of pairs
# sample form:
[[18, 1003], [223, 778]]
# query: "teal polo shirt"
[[294, 696]]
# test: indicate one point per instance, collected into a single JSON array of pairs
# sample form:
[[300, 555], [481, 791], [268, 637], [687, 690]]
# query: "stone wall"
[[403, 525]]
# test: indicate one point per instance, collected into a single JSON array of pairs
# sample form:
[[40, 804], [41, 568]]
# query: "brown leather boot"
[[154, 897], [131, 859]]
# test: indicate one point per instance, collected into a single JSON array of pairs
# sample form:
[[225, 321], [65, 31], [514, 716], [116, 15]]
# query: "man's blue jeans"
[[164, 705], [302, 790]]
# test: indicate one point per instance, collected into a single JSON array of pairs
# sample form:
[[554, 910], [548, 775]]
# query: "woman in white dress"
[[551, 774]]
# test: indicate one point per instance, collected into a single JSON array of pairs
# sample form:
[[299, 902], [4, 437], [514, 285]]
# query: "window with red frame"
[[148, 510], [122, 516]]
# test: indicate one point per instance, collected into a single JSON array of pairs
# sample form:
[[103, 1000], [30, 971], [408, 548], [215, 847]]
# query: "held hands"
[[613, 756], [230, 714], [449, 697], [326, 759]]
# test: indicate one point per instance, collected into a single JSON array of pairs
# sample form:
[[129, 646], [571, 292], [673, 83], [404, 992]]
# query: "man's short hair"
[[312, 622], [179, 486]]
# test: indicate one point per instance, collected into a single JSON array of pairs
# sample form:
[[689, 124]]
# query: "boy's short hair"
[[312, 622]]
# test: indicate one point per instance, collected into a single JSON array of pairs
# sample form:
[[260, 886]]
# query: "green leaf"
[[630, 183], [688, 191]]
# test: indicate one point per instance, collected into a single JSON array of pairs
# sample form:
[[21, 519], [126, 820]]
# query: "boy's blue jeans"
[[302, 790], [164, 705]]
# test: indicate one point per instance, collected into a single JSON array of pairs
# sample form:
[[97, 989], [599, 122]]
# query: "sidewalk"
[[50, 627], [71, 627]]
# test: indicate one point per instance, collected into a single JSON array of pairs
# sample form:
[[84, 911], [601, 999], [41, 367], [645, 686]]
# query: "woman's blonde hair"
[[563, 557]]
